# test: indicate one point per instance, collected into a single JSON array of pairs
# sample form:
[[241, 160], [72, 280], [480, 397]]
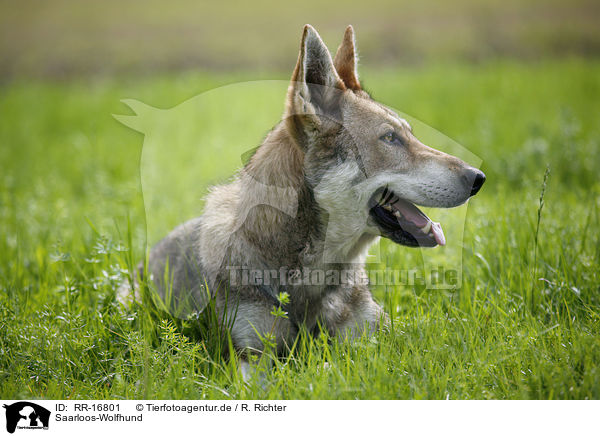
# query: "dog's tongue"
[[438, 233], [418, 218]]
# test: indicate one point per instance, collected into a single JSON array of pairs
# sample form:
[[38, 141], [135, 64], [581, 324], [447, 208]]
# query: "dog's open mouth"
[[402, 222]]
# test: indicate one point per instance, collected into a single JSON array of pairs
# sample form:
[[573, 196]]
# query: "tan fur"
[[302, 202], [346, 61]]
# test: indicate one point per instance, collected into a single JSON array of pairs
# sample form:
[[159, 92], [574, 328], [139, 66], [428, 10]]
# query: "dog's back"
[[175, 267]]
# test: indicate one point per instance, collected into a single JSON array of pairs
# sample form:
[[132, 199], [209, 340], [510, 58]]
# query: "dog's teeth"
[[387, 207], [397, 214], [426, 228], [383, 195]]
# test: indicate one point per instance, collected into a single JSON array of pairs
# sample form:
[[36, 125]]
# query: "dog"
[[339, 171]]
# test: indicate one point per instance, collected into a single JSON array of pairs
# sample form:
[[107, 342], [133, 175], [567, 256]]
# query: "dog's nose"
[[477, 182]]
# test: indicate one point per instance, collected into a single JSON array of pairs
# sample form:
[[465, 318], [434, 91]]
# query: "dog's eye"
[[391, 138]]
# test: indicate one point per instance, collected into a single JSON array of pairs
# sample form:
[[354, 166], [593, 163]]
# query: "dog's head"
[[367, 169]]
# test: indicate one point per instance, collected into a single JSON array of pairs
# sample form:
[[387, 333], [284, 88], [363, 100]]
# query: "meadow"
[[524, 324]]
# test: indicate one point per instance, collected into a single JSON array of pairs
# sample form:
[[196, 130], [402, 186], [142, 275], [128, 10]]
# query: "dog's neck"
[[274, 198], [278, 162], [287, 223]]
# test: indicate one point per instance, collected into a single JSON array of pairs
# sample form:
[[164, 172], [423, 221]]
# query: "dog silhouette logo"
[[26, 415]]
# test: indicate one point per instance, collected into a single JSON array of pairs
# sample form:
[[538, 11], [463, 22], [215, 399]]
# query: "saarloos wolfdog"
[[347, 171]]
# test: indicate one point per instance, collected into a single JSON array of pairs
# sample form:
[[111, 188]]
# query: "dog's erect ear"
[[346, 59], [316, 85]]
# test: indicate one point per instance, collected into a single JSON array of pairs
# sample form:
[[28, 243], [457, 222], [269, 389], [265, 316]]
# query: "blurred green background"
[[63, 38], [517, 83]]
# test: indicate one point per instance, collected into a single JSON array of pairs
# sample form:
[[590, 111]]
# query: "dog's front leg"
[[356, 314], [258, 335], [249, 370]]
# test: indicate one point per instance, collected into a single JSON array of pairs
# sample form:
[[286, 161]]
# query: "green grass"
[[73, 221]]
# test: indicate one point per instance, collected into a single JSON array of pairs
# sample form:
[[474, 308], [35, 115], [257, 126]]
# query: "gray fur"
[[326, 152]]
